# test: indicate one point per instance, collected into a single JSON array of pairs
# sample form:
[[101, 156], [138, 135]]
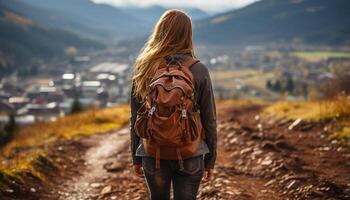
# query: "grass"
[[337, 110], [31, 138], [319, 55], [312, 110], [90, 122], [250, 77], [343, 135]]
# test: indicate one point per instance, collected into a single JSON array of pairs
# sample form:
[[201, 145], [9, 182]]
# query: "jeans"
[[185, 182]]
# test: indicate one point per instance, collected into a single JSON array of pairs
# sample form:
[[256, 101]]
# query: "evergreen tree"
[[290, 85], [8, 130], [268, 84], [277, 87], [76, 106]]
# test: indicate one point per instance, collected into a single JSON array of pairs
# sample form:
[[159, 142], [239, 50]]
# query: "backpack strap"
[[158, 157], [189, 62], [179, 157]]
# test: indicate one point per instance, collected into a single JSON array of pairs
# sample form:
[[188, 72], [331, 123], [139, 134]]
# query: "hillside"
[[262, 155], [52, 19], [311, 21], [24, 41], [116, 22], [152, 14]]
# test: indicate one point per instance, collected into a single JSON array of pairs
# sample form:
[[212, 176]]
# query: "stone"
[[295, 124], [95, 185], [113, 167], [106, 190], [267, 161]]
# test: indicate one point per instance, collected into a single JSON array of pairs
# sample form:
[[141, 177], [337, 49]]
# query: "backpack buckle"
[[184, 113], [150, 112]]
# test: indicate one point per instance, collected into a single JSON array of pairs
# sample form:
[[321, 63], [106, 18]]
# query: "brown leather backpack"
[[169, 120]]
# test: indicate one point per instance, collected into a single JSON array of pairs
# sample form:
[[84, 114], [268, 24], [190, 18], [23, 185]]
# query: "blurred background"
[[289, 58], [55, 52]]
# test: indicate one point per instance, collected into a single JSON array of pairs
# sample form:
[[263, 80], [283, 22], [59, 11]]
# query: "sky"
[[207, 5]]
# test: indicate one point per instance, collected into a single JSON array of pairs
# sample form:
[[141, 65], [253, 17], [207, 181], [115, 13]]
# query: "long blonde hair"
[[172, 34]]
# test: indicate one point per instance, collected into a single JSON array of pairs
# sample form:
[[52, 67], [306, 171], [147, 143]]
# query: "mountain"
[[24, 41], [196, 13], [101, 17], [152, 13], [54, 19], [310, 21]]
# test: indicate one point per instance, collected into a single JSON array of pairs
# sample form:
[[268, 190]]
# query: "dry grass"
[[337, 110], [343, 135], [24, 164], [91, 122], [229, 79], [312, 110], [32, 137], [238, 103]]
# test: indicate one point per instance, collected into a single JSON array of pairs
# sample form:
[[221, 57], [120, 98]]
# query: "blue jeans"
[[185, 182]]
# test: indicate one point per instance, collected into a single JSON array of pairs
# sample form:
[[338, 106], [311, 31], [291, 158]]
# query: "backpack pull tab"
[[150, 112], [183, 113]]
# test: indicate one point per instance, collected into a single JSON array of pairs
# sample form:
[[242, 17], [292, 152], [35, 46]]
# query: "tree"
[[290, 85], [76, 106], [9, 129], [277, 87], [268, 84]]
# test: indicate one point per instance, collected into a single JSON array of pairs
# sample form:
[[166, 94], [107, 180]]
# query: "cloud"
[[209, 5]]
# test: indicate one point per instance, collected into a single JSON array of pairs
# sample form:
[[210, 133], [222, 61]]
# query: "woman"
[[172, 41]]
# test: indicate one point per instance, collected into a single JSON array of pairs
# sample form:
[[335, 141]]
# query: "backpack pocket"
[[141, 123], [167, 130]]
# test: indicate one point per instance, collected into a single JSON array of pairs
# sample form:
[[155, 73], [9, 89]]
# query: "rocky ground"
[[258, 158]]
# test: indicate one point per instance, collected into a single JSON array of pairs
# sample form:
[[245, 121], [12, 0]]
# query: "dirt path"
[[257, 159], [89, 167], [93, 173]]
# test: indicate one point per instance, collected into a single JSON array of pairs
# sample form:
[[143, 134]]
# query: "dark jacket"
[[205, 99]]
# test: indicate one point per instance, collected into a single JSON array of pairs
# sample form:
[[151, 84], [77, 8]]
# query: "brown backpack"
[[169, 120]]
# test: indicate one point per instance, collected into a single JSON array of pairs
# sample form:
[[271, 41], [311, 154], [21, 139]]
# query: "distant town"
[[93, 80], [102, 84]]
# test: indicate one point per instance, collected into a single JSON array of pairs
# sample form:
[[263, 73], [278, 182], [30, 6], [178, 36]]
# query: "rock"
[[257, 117], [9, 190], [259, 126], [283, 122], [246, 150], [293, 184], [248, 129], [306, 127], [95, 185], [269, 146], [113, 167], [106, 190], [270, 182], [233, 141], [284, 145], [267, 161], [230, 135], [295, 124]]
